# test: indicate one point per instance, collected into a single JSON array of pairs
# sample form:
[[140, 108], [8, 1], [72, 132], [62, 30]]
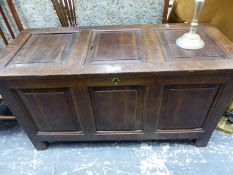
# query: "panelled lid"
[[113, 49]]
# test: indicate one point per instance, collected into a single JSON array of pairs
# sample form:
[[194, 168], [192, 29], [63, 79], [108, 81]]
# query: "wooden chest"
[[116, 83]]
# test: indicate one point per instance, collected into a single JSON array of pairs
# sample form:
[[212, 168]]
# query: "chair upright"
[[7, 23], [65, 10], [5, 37]]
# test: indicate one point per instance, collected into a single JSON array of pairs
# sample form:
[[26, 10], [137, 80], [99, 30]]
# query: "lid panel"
[[168, 38], [111, 47], [42, 49]]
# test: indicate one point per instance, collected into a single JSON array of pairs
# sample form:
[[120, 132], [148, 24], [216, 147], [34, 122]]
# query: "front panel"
[[52, 110], [118, 108], [148, 108], [186, 106]]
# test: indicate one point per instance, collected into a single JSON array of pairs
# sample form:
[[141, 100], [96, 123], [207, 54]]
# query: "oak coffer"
[[116, 83]]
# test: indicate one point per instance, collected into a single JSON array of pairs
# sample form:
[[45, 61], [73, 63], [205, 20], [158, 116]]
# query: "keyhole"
[[115, 81]]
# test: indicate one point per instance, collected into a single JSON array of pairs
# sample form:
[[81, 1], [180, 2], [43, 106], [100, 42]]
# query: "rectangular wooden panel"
[[42, 48], [118, 108], [211, 51], [115, 47], [51, 109], [186, 106]]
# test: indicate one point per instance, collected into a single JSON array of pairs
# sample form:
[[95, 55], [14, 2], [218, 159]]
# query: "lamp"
[[192, 40]]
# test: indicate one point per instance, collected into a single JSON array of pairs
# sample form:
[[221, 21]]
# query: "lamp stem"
[[198, 6]]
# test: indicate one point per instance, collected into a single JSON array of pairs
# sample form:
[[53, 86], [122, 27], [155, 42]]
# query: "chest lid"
[[141, 48]]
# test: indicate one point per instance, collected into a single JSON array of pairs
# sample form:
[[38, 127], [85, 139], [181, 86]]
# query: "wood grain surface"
[[116, 83]]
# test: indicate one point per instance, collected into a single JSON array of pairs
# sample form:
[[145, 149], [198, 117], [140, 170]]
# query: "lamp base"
[[191, 41]]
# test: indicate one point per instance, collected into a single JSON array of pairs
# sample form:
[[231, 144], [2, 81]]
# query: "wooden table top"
[[113, 49]]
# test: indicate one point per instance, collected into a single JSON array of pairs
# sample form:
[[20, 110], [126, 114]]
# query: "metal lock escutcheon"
[[115, 81]]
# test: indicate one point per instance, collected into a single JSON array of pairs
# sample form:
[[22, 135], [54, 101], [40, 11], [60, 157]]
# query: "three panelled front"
[[118, 108]]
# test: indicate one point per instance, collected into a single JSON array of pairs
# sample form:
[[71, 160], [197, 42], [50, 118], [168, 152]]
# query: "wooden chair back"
[[4, 36], [65, 10], [6, 21]]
